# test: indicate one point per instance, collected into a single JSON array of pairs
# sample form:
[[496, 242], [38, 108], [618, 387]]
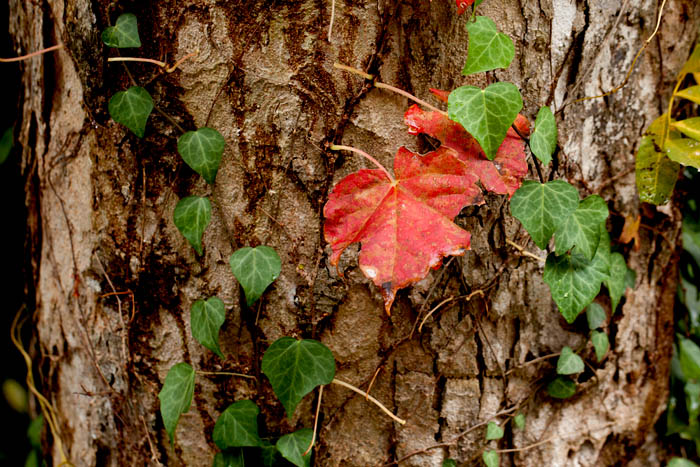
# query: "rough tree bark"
[[101, 204]]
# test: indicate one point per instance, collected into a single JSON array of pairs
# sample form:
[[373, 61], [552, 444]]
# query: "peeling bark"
[[101, 203]]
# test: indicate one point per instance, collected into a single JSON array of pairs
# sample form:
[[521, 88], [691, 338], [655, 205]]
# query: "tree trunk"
[[101, 203]]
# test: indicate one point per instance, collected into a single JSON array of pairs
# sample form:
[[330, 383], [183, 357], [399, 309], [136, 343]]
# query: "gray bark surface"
[[101, 205]]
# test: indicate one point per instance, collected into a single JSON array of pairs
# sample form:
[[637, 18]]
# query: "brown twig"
[[371, 399], [30, 55], [523, 251], [318, 409]]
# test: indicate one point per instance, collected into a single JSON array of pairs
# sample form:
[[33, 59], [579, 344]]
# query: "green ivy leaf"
[[202, 151], [569, 363], [488, 49], [255, 269], [692, 401], [176, 396], [656, 174], [449, 463], [237, 426], [617, 282], [679, 462], [581, 231], [573, 281], [542, 208], [519, 421], [295, 368], [125, 33], [230, 458], [268, 454], [543, 141], [561, 387], [6, 144], [689, 354], [600, 344], [486, 114], [490, 458], [595, 315], [192, 216], [493, 431], [206, 318], [294, 445], [36, 426], [131, 108]]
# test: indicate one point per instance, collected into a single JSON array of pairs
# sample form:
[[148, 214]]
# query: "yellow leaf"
[[697, 77], [689, 127], [683, 150], [692, 94], [693, 63], [630, 231], [656, 173]]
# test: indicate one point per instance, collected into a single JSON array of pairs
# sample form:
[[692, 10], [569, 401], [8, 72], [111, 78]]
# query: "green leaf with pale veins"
[[581, 231], [255, 269], [617, 282], [486, 114], [488, 49], [569, 363], [689, 127], [449, 463], [543, 141], [202, 151], [574, 281], [231, 458], [125, 33], [685, 151], [493, 431], [192, 216], [595, 315], [542, 208], [490, 458], [692, 94], [131, 108], [656, 174], [237, 426], [519, 421], [176, 396], [206, 318], [561, 387], [689, 355], [600, 344], [294, 445], [269, 454], [679, 462], [295, 367]]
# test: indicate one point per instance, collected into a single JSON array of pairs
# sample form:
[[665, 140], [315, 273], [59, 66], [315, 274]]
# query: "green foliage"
[[449, 463], [493, 431], [206, 318], [295, 367], [176, 396], [490, 458], [689, 354], [486, 114], [600, 344], [542, 208], [131, 108], [617, 281], [123, 34], [269, 454], [488, 49], [569, 363], [294, 445], [595, 315], [231, 458], [543, 140], [561, 387], [36, 426], [255, 269], [580, 233], [192, 216], [237, 426], [519, 421], [202, 150], [678, 462], [7, 142], [656, 173]]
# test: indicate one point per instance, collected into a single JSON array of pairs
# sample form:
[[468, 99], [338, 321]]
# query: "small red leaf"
[[502, 175], [406, 228], [462, 5], [440, 94]]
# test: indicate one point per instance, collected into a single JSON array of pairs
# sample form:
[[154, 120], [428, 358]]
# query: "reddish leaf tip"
[[440, 94], [463, 5]]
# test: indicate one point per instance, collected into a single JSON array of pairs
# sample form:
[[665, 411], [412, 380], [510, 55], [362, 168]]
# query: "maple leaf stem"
[[389, 87], [371, 399], [338, 147]]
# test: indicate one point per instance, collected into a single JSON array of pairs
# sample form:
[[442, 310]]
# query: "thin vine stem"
[[318, 409], [339, 147], [371, 399], [30, 55], [137, 59], [224, 373]]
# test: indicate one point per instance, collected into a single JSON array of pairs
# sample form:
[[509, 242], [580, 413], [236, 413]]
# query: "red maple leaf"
[[406, 225], [462, 5]]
